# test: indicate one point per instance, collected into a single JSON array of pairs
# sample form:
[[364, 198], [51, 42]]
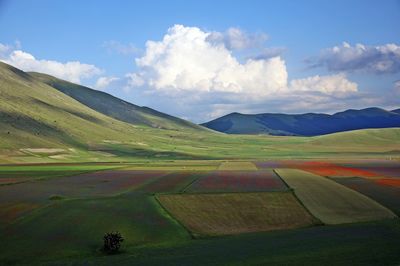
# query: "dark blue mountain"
[[310, 124]]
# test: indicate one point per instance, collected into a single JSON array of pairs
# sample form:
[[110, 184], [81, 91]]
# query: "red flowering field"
[[333, 170], [387, 195], [384, 168], [239, 181], [389, 182]]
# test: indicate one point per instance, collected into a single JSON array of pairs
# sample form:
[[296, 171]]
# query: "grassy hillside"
[[39, 123], [114, 107]]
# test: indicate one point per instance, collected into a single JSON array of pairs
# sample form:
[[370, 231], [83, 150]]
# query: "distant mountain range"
[[310, 124]]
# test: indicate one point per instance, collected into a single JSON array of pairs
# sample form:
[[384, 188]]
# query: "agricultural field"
[[384, 168], [170, 210], [174, 182], [19, 199], [233, 213], [331, 202], [237, 181], [237, 166], [388, 196], [332, 170], [76, 227], [11, 174]]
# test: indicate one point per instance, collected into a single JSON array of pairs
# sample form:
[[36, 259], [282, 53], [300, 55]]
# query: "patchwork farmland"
[[168, 205]]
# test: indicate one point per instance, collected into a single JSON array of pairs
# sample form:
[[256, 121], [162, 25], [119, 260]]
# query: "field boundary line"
[[318, 221], [193, 181], [172, 217]]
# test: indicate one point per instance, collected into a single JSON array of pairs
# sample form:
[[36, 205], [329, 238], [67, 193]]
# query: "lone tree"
[[112, 242]]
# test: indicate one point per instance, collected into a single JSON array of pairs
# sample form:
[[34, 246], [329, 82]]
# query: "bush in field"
[[112, 242]]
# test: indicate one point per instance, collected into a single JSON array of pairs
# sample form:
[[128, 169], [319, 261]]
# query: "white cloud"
[[333, 84], [185, 61], [73, 71], [236, 39], [187, 74], [103, 82], [373, 59]]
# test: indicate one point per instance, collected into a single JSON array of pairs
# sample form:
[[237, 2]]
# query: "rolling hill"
[[44, 119], [309, 124], [114, 107]]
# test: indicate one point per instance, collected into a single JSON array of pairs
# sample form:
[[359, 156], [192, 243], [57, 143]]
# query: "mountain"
[[40, 113], [396, 111], [310, 124], [115, 107]]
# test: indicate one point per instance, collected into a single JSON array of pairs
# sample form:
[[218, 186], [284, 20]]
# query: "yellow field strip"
[[331, 202]]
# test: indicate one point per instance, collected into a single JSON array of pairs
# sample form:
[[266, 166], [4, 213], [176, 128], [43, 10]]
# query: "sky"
[[199, 60]]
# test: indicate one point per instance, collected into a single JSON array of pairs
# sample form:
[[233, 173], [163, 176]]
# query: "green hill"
[[44, 119], [34, 114], [115, 107]]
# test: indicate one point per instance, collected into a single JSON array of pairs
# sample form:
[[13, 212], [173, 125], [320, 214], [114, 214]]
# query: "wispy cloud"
[[381, 59]]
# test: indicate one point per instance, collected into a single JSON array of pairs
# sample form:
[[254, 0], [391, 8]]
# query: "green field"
[[237, 166], [233, 213], [75, 227], [331, 202]]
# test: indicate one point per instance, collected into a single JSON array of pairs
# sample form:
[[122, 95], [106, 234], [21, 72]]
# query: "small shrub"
[[112, 242], [56, 197]]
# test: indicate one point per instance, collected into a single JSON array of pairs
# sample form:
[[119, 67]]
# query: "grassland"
[[331, 202], [39, 123], [221, 214], [357, 244], [75, 227]]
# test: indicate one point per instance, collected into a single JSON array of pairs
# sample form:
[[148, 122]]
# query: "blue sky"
[[264, 56]]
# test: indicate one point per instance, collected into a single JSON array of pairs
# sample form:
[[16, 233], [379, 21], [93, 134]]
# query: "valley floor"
[[291, 212]]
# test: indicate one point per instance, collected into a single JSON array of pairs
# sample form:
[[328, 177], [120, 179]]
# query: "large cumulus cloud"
[[185, 60]]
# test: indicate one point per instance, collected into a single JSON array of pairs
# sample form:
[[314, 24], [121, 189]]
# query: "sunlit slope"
[[114, 107], [365, 137], [34, 115]]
